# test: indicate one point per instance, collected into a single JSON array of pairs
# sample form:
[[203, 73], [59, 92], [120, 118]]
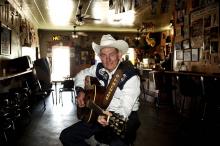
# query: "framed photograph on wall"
[[177, 46], [186, 44], [186, 32], [178, 31], [214, 46], [195, 54], [179, 54], [187, 55], [186, 20], [5, 37]]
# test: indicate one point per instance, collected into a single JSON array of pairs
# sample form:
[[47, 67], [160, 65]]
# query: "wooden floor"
[[163, 127]]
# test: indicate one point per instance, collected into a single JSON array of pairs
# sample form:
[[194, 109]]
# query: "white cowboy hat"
[[109, 41]]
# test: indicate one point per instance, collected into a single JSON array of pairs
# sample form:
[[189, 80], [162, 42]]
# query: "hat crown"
[[106, 40]]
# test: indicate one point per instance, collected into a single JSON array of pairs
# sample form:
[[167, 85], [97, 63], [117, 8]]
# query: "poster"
[[195, 54], [5, 48], [187, 55]]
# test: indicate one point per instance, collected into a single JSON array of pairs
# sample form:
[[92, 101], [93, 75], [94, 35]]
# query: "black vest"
[[128, 72]]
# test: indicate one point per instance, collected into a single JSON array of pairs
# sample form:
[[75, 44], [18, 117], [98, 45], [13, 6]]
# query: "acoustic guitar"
[[94, 108]]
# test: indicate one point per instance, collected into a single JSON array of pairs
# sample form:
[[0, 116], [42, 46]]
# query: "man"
[[124, 101]]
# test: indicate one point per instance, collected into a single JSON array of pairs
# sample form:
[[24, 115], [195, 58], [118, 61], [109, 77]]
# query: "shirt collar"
[[112, 72]]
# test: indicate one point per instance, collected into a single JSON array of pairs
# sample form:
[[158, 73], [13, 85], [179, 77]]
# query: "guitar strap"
[[112, 87]]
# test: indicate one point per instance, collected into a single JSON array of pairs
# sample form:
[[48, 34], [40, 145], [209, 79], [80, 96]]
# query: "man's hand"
[[103, 119], [80, 99]]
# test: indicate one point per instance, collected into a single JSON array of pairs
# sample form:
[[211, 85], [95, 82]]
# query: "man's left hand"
[[102, 119]]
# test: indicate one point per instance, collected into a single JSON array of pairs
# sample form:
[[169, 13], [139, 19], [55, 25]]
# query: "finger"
[[107, 113], [102, 120]]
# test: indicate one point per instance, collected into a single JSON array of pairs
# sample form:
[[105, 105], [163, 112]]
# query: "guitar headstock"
[[118, 124]]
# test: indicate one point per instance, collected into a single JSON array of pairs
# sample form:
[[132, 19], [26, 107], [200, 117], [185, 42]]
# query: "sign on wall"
[[5, 37]]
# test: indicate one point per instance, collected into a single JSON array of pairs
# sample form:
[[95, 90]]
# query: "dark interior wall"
[[77, 45], [20, 29]]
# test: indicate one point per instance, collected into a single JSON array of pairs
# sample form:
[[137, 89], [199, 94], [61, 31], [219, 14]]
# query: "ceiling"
[[38, 12]]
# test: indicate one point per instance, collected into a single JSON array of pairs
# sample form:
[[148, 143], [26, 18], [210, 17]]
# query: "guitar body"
[[94, 94], [96, 104]]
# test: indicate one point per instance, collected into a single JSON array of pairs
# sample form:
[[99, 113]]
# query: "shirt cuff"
[[79, 89]]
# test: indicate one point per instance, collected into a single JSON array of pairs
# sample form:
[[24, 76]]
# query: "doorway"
[[60, 62]]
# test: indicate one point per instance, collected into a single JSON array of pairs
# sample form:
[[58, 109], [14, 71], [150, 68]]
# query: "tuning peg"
[[119, 130], [112, 118]]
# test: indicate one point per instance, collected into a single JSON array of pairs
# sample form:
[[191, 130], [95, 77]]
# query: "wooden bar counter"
[[195, 94]]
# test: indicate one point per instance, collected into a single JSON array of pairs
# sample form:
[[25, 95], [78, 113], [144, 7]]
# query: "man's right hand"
[[80, 99]]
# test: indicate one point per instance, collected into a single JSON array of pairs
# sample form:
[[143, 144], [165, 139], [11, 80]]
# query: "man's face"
[[110, 58]]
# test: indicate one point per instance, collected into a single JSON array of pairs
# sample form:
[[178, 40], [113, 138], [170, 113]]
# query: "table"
[[55, 86]]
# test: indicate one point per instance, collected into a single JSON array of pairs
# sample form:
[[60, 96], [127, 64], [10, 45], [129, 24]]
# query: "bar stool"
[[163, 83], [5, 127], [143, 89], [190, 88], [22, 100], [9, 115], [211, 100]]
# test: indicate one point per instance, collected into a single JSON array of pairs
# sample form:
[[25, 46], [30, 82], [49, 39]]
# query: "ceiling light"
[[60, 11], [138, 35], [74, 35], [79, 22], [137, 38]]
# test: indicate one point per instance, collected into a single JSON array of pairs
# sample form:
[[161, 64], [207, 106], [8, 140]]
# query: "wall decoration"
[[186, 20], [186, 44], [214, 20], [214, 32], [84, 57], [206, 56], [186, 32], [178, 31], [180, 16], [197, 28], [179, 54], [197, 42], [187, 55], [180, 4], [195, 54], [207, 21], [186, 27], [5, 37], [164, 6], [204, 25], [214, 46], [177, 46]]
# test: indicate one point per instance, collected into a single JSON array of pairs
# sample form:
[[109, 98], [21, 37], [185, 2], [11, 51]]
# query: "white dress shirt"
[[124, 101]]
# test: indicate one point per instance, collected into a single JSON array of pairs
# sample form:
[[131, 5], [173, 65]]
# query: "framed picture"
[[186, 32], [180, 16], [178, 31], [5, 37], [195, 54], [179, 54], [177, 46], [186, 20], [214, 46], [180, 4], [187, 55], [185, 44]]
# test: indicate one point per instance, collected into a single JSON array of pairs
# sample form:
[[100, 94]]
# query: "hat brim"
[[121, 45]]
